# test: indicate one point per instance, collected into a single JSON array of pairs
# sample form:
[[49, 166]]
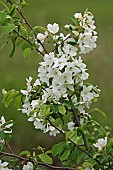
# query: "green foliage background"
[[13, 72]]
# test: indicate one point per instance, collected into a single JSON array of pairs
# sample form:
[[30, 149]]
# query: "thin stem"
[[76, 119], [7, 144], [55, 167], [56, 128], [39, 163], [28, 24], [28, 42], [13, 155], [82, 150]]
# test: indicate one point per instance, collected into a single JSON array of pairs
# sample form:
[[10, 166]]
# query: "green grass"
[[99, 63]]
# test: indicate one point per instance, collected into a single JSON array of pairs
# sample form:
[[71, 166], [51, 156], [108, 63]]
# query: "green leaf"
[[13, 39], [18, 102], [98, 127], [5, 6], [62, 110], [27, 153], [99, 111], [8, 28], [73, 19], [58, 148], [9, 97], [2, 18], [41, 28], [95, 155], [13, 10], [8, 137], [2, 134], [3, 45], [74, 155], [25, 45], [45, 158], [54, 108], [27, 52], [87, 164], [65, 155]]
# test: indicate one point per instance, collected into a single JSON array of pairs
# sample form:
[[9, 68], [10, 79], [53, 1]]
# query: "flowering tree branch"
[[57, 102]]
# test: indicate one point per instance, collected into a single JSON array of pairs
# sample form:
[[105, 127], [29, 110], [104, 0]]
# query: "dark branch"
[[28, 42], [39, 163], [77, 121], [82, 150], [28, 24]]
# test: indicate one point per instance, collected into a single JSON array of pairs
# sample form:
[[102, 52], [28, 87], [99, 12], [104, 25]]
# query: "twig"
[[76, 119], [28, 24], [56, 128], [39, 163], [12, 155], [82, 150], [28, 42], [55, 167], [7, 144]]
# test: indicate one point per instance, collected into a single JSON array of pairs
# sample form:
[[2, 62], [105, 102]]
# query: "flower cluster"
[[62, 74], [81, 37]]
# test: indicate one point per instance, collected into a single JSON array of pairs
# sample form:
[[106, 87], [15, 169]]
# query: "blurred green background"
[[13, 72]]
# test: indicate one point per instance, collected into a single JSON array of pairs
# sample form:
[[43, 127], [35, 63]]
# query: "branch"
[[76, 119], [55, 167], [28, 42], [12, 155], [39, 163], [7, 144], [82, 150], [28, 24], [56, 128]]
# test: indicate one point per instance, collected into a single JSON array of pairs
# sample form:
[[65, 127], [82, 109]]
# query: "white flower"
[[87, 168], [37, 83], [42, 37], [66, 26], [40, 48], [26, 107], [78, 16], [69, 50], [86, 93], [34, 103], [29, 166], [48, 59], [5, 128], [76, 33], [53, 72], [3, 166], [60, 62], [84, 75], [86, 42], [33, 117], [53, 28], [66, 77], [101, 143], [43, 73], [71, 125], [52, 131], [39, 125]]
